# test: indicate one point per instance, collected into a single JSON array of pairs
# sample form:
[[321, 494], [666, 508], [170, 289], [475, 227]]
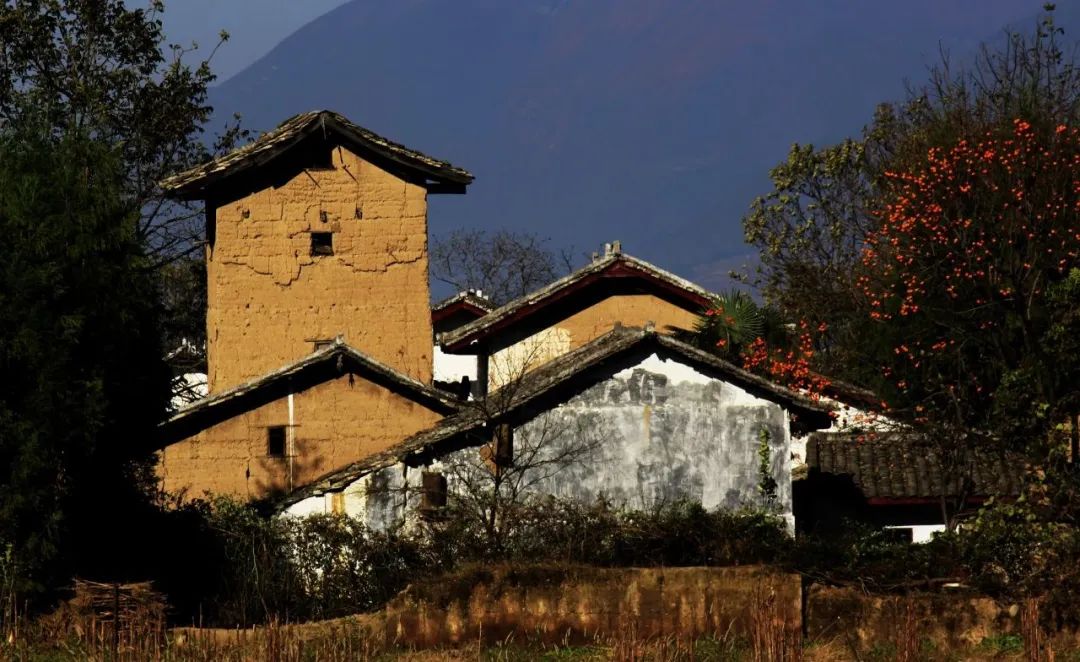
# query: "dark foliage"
[[83, 379]]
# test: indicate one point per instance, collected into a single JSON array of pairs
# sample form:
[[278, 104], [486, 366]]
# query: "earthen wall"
[[270, 299], [509, 363], [327, 427]]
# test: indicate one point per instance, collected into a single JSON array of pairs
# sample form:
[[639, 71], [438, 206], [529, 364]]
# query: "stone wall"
[[269, 299], [330, 425], [507, 363]]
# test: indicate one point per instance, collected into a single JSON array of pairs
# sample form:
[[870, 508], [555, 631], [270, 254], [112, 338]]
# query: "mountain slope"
[[650, 121]]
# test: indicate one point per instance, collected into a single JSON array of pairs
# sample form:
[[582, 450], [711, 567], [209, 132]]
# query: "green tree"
[[100, 69], [95, 109], [810, 229], [936, 249], [83, 379], [733, 322]]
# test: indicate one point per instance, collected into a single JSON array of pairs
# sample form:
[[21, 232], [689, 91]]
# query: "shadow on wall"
[[272, 476]]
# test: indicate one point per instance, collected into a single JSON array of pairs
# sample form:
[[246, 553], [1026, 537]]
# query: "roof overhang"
[[201, 182]]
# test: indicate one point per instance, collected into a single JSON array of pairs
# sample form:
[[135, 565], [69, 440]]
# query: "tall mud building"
[[319, 329]]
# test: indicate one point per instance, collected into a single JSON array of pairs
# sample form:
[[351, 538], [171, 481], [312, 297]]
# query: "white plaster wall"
[[848, 419], [653, 433], [921, 533], [195, 389], [452, 367]]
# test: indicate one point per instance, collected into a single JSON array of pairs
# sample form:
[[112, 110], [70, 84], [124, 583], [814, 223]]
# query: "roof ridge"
[[595, 266], [193, 181], [338, 346]]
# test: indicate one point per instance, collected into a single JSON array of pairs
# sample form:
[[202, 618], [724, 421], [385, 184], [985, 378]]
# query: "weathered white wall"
[[452, 367], [648, 435]]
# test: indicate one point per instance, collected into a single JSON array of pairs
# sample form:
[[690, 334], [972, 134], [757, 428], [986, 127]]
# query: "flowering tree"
[[957, 278]]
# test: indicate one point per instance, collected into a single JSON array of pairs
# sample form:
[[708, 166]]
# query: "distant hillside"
[[650, 121]]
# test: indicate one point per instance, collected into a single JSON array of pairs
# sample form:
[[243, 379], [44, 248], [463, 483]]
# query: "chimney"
[[616, 247], [607, 250], [650, 327]]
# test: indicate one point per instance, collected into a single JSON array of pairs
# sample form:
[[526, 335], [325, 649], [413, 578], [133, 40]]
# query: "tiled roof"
[[337, 356], [902, 466], [193, 183], [462, 301]]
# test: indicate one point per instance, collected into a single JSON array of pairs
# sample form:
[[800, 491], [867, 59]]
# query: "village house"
[[893, 479], [613, 289], [633, 416], [325, 385], [319, 325]]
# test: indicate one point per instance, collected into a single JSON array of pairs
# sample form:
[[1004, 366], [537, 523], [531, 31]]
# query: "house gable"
[[617, 290], [336, 407]]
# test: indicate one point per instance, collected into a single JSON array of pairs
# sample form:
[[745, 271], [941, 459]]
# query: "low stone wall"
[[547, 604], [560, 605], [949, 620]]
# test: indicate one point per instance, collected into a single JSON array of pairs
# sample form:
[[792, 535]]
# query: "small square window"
[[275, 441], [322, 243]]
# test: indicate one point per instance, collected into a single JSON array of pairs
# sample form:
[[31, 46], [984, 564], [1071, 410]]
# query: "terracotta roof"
[[551, 384], [900, 466], [320, 366], [613, 266], [193, 183], [468, 302]]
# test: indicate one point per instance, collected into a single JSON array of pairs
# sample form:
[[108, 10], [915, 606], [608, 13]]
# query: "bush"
[[243, 568], [229, 565], [874, 560]]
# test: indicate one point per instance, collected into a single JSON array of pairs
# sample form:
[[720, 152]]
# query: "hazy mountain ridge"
[[651, 121]]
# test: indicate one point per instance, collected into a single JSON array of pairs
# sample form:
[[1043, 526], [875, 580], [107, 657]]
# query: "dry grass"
[[770, 637]]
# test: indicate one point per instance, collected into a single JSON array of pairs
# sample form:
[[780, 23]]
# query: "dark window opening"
[[359, 212], [321, 158], [504, 445], [499, 454], [432, 492], [275, 441], [322, 243]]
